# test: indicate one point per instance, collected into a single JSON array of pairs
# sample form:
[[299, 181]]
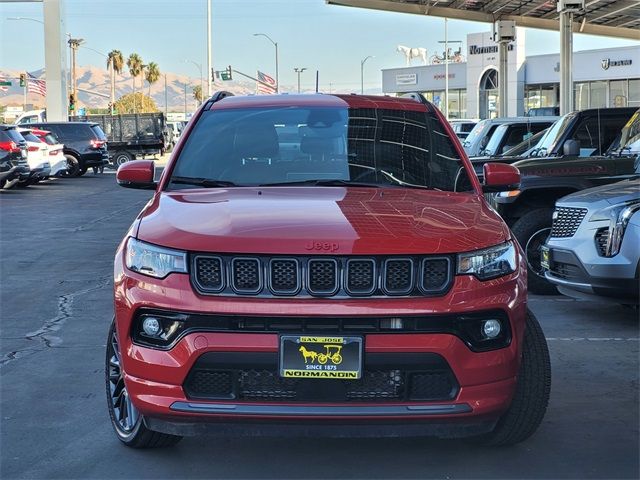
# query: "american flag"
[[36, 86], [2, 87], [265, 84]]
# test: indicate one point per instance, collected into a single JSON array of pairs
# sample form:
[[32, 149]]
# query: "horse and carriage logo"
[[332, 352]]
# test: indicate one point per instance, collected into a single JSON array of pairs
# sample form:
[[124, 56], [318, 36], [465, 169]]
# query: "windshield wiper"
[[324, 183], [202, 182]]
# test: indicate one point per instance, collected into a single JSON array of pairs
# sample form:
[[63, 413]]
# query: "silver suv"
[[594, 245]]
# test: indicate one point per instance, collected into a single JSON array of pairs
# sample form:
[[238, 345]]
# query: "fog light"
[[151, 326], [491, 328]]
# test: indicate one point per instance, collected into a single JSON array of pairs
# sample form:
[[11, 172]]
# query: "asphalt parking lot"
[[57, 242]]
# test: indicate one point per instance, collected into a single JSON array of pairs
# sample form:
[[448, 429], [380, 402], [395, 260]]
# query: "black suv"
[[13, 156], [85, 144]]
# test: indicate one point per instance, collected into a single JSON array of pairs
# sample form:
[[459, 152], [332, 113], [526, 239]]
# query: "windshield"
[[475, 133], [294, 145], [548, 144], [526, 146], [628, 142]]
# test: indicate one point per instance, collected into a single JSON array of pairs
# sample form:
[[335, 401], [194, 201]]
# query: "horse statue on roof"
[[411, 53]]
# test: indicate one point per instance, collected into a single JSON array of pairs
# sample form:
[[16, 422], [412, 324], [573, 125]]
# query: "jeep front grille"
[[321, 276], [567, 221]]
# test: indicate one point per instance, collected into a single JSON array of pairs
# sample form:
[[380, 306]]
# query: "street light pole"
[[275, 44], [299, 71], [199, 68], [362, 62], [446, 68]]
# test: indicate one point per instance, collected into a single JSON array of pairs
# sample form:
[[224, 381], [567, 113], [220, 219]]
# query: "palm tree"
[[197, 93], [115, 64], [152, 74], [134, 62]]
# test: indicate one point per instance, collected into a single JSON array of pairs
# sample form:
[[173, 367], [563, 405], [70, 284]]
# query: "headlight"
[[154, 261], [618, 216], [489, 263]]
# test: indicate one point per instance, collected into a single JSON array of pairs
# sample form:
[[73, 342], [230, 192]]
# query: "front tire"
[[532, 231], [531, 398], [127, 422]]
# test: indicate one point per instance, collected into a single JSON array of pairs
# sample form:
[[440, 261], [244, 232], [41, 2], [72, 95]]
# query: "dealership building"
[[601, 78]]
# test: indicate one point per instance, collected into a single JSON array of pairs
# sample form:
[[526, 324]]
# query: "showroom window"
[[634, 93], [618, 94], [598, 95], [581, 96]]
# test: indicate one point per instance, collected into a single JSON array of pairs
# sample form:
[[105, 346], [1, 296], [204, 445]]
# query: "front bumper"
[[156, 378], [579, 271]]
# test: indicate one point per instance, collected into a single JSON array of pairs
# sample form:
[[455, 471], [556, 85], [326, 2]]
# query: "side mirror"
[[500, 177], [137, 174], [571, 148]]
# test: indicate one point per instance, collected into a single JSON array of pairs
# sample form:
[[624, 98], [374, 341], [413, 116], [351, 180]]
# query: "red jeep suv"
[[326, 265]]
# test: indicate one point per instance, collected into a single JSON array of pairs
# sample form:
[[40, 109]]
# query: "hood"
[[612, 194], [317, 220]]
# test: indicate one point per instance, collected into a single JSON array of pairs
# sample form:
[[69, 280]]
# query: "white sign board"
[[407, 79]]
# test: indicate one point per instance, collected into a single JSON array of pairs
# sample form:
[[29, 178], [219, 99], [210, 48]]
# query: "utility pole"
[[209, 62], [362, 62], [299, 71], [185, 100], [447, 59], [165, 97], [74, 43]]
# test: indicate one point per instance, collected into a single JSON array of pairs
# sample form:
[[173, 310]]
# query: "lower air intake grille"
[[602, 241]]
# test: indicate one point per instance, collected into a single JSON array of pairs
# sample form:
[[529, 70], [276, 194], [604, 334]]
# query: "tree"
[[135, 103], [197, 93], [134, 62], [115, 64], [152, 74]]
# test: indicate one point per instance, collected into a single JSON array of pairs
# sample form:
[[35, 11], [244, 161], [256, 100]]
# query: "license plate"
[[320, 356], [544, 257]]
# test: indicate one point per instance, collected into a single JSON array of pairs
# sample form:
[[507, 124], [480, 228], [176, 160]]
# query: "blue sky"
[[310, 34]]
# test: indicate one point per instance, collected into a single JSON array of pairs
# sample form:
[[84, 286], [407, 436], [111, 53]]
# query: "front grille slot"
[[567, 221], [323, 277], [398, 276], [245, 275], [209, 273], [283, 276], [208, 383], [361, 276], [435, 274]]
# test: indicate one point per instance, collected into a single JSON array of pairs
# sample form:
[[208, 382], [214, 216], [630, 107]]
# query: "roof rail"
[[216, 97], [418, 97]]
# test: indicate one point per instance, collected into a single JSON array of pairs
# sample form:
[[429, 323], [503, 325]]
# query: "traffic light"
[[226, 74], [72, 102], [23, 79]]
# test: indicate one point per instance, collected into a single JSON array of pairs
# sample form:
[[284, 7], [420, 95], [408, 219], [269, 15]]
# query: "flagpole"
[[24, 97]]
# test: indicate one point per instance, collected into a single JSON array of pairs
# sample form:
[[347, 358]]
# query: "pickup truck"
[[131, 135], [528, 210]]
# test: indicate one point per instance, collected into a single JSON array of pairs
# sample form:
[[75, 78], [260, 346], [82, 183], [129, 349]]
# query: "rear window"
[[74, 132], [30, 137], [98, 132], [302, 144], [10, 135]]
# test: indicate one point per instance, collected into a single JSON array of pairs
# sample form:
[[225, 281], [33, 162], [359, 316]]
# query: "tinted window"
[[30, 137], [10, 135], [287, 145], [75, 132], [98, 132]]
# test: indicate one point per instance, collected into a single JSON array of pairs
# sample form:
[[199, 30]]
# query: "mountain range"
[[96, 79]]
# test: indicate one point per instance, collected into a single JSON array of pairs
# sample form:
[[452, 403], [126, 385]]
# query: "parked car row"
[[39, 151], [581, 150]]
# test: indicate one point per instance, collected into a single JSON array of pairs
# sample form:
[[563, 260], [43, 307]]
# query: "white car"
[[37, 158], [55, 149]]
